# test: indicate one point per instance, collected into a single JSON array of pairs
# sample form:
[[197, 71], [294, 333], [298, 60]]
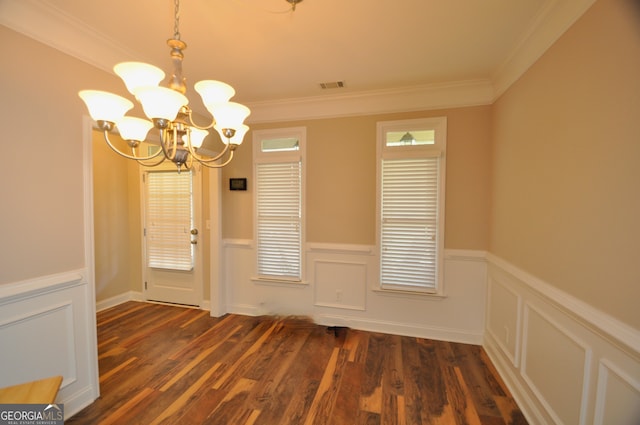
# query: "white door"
[[171, 225]]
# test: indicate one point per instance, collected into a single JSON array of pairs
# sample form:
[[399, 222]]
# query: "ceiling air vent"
[[332, 85]]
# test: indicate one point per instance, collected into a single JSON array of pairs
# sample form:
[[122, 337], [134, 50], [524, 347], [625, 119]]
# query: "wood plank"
[[175, 377], [511, 414], [324, 400], [429, 376], [232, 409], [302, 399], [415, 403], [273, 365], [180, 402], [470, 411], [166, 365], [287, 400], [119, 415], [374, 364], [117, 369], [241, 362], [478, 377], [392, 380], [393, 373], [201, 407], [346, 411]]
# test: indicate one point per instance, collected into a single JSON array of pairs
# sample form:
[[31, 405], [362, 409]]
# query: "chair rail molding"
[[563, 360], [46, 330]]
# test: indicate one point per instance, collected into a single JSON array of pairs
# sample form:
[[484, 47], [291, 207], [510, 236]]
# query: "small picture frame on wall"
[[238, 183]]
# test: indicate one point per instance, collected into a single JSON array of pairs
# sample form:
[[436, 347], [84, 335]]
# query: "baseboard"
[[404, 329], [118, 299], [78, 401], [134, 296], [246, 310], [206, 305], [395, 328]]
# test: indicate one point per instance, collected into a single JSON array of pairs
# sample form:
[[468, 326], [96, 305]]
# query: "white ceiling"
[[410, 54]]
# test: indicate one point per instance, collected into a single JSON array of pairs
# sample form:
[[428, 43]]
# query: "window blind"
[[169, 220], [279, 209], [409, 209]]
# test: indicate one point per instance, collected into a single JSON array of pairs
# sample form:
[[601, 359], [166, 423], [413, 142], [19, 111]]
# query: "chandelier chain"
[[167, 110], [176, 21]]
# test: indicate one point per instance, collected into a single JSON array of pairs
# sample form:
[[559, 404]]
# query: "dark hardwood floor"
[[170, 365]]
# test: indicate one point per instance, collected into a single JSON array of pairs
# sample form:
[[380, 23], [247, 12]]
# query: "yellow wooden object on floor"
[[39, 392]]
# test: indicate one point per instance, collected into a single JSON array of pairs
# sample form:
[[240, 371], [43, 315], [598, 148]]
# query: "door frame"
[[196, 205], [218, 306], [217, 290]]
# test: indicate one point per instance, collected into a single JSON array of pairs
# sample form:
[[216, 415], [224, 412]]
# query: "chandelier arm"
[[202, 160], [220, 165], [119, 152], [188, 112], [189, 163], [163, 142], [155, 164]]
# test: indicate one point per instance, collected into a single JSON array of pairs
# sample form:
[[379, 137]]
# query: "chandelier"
[[167, 110]]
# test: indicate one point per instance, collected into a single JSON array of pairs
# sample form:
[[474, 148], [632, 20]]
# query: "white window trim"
[[266, 157], [439, 124]]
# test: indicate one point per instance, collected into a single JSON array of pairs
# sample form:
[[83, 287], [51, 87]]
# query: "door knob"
[[194, 231]]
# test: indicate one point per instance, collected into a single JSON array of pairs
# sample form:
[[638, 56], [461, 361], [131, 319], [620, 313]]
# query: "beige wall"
[[341, 179], [117, 229], [566, 173], [41, 222], [555, 192], [41, 213]]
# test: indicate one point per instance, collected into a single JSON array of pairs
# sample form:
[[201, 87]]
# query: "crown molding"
[[416, 98], [554, 19], [51, 26]]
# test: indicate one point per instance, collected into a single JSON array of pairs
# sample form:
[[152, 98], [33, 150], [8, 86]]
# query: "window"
[[411, 171], [169, 220], [279, 182]]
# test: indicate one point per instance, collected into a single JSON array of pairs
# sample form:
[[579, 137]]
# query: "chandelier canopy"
[[167, 110]]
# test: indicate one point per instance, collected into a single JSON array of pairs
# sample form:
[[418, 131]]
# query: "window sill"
[[279, 282], [405, 293]]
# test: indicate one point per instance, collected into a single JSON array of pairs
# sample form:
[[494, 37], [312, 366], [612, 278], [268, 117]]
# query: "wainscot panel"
[[555, 365], [618, 397], [47, 328], [341, 288], [503, 318], [566, 363], [340, 284]]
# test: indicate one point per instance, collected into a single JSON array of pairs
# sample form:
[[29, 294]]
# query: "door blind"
[[169, 220], [279, 209], [409, 222]]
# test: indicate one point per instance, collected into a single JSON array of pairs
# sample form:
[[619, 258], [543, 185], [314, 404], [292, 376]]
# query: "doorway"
[[171, 226], [118, 231]]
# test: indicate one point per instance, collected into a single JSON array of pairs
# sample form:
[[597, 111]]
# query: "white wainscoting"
[[47, 328], [341, 289], [564, 361]]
